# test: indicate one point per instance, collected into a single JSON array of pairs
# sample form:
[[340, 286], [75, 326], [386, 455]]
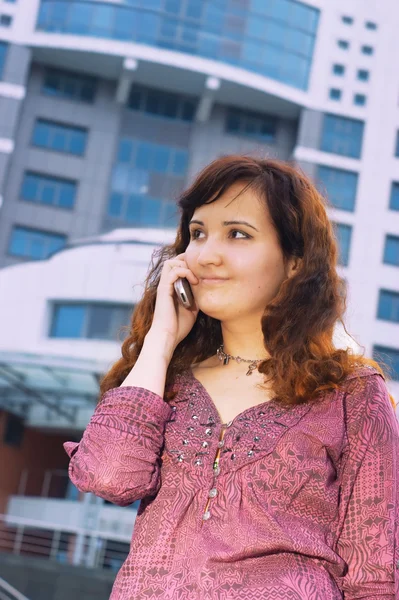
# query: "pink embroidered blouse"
[[298, 503]]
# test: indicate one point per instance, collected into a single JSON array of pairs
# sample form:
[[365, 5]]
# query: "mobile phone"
[[184, 293]]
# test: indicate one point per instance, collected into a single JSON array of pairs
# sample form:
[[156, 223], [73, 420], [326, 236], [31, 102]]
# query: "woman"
[[265, 458]]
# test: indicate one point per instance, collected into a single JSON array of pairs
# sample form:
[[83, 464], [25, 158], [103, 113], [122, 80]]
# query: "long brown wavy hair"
[[299, 322]]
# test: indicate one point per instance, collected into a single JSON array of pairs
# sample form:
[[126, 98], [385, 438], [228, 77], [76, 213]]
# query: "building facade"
[[108, 108]]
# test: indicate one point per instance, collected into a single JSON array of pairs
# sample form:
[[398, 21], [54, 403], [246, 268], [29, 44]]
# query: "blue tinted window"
[[359, 99], [63, 138], [3, 54], [144, 183], [397, 144], [370, 25], [162, 104], [340, 186], [388, 306], [89, 320], [44, 189], [338, 69], [347, 20], [391, 250], [5, 20], [34, 244], [394, 199], [68, 321], [367, 50], [218, 31], [344, 235], [73, 86], [335, 94], [240, 122], [363, 75], [179, 162], [390, 356], [343, 44], [341, 135]]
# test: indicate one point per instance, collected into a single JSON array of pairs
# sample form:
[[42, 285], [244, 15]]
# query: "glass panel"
[[134, 101], [233, 122], [268, 130], [138, 181], [120, 177], [87, 92], [391, 357], [147, 27], [252, 51], [134, 205], [125, 151], [194, 9], [41, 134], [340, 185], [68, 321], [18, 244], [170, 214], [77, 142], [99, 322], [161, 159], [58, 141], [394, 200], [55, 243], [102, 20], [125, 24], [115, 205], [152, 103], [180, 160], [67, 195], [151, 212], [143, 155], [188, 110], [37, 246], [79, 17], [343, 234], [52, 84], [172, 6], [30, 188], [391, 251], [47, 195], [170, 105]]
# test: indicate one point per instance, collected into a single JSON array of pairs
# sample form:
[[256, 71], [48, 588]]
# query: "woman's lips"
[[212, 280]]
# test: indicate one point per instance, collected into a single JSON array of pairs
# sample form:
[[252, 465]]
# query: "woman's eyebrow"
[[226, 223]]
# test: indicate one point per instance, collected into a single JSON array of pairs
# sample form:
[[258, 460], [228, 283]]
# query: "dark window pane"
[[391, 250], [30, 188], [115, 205], [41, 134], [68, 321], [67, 195]]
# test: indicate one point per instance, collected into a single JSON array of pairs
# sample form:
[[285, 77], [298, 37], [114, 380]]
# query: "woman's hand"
[[170, 317]]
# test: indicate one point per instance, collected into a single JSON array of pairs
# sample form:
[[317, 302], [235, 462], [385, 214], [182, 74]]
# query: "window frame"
[[54, 234], [66, 126]]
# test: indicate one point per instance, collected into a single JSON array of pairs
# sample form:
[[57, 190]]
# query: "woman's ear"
[[294, 265]]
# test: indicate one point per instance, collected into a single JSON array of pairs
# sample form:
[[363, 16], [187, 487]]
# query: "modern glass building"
[[108, 108]]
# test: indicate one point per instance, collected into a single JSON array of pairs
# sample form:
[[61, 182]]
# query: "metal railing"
[[7, 592], [73, 546]]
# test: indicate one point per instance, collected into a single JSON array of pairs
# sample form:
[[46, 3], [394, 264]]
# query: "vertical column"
[[12, 94]]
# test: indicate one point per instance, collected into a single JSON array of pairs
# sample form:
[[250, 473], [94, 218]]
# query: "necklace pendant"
[[251, 368], [226, 360]]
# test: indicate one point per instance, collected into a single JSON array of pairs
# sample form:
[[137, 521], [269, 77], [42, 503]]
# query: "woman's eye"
[[194, 232]]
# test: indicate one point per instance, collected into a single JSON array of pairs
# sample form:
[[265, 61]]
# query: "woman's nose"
[[210, 252]]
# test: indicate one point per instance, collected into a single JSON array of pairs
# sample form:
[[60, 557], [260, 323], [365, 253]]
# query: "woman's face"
[[247, 256]]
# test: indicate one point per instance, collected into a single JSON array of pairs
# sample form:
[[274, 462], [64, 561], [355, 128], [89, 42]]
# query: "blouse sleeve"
[[118, 457], [368, 540]]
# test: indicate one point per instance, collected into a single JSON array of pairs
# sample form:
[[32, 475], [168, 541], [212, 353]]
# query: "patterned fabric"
[[294, 504]]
